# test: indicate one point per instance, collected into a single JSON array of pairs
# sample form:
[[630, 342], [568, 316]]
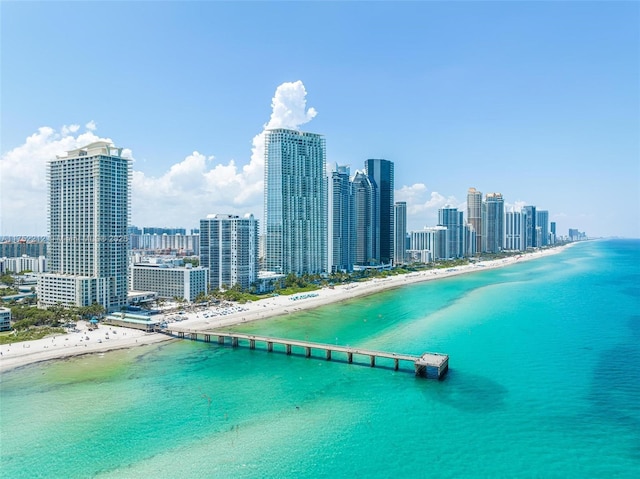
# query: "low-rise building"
[[5, 319], [169, 282]]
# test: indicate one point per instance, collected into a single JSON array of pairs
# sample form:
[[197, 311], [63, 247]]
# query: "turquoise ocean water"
[[544, 383]]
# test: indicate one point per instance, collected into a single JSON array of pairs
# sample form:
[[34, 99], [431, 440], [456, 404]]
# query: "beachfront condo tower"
[[341, 224], [400, 232], [452, 219], [493, 233], [229, 251], [542, 222], [380, 173], [88, 208], [530, 226], [514, 231], [363, 201], [474, 215], [295, 203]]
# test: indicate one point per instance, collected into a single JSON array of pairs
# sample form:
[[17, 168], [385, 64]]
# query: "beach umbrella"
[[94, 321]]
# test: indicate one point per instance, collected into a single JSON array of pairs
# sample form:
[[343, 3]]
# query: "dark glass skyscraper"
[[494, 223], [363, 209], [341, 224], [530, 235], [452, 219], [380, 172]]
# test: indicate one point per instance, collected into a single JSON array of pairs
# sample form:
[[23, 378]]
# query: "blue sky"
[[537, 100]]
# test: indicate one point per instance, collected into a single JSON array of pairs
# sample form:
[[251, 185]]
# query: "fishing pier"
[[428, 365]]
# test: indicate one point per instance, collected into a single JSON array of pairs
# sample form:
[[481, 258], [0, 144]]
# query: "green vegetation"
[[8, 292], [7, 279], [16, 336], [194, 261], [29, 322]]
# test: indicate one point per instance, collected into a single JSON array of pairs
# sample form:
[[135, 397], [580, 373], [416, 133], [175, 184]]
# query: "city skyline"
[[529, 100]]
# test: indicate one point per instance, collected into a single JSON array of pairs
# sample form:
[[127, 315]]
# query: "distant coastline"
[[108, 338]]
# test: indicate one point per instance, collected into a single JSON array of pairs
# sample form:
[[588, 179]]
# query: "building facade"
[[530, 234], [16, 247], [88, 210], [169, 282], [514, 231], [295, 191], [341, 245], [434, 240], [452, 219], [22, 264], [5, 319], [179, 244], [474, 215], [380, 173], [364, 207], [542, 222], [400, 232], [229, 250], [494, 223]]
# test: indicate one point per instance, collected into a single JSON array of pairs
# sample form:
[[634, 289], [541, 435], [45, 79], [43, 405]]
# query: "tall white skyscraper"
[[514, 238], [474, 215], [89, 207], [400, 229], [295, 189], [364, 211], [229, 250]]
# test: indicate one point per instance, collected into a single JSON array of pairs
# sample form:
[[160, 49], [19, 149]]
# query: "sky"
[[539, 101]]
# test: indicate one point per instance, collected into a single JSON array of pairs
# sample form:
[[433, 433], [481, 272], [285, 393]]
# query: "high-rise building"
[[452, 219], [494, 223], [400, 229], [341, 221], [552, 235], [474, 215], [295, 202], [530, 234], [542, 222], [514, 231], [380, 172], [430, 244], [364, 208], [16, 246], [469, 240], [229, 250], [88, 206]]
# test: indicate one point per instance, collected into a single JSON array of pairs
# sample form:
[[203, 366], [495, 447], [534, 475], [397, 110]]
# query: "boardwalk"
[[430, 365]]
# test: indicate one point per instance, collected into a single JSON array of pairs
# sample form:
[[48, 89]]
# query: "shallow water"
[[544, 382]]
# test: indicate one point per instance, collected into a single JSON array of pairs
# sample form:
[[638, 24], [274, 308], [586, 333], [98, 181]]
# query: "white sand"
[[104, 338], [20, 354]]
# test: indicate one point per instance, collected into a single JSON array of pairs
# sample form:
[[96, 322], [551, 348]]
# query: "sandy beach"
[[107, 338]]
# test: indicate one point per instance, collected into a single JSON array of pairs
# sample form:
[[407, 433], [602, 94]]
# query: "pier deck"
[[429, 365]]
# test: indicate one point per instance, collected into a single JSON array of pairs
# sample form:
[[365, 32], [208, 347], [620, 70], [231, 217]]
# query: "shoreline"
[[108, 338]]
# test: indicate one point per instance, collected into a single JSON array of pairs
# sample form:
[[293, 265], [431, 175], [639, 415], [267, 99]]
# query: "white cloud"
[[187, 191], [515, 206], [422, 205], [23, 177]]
